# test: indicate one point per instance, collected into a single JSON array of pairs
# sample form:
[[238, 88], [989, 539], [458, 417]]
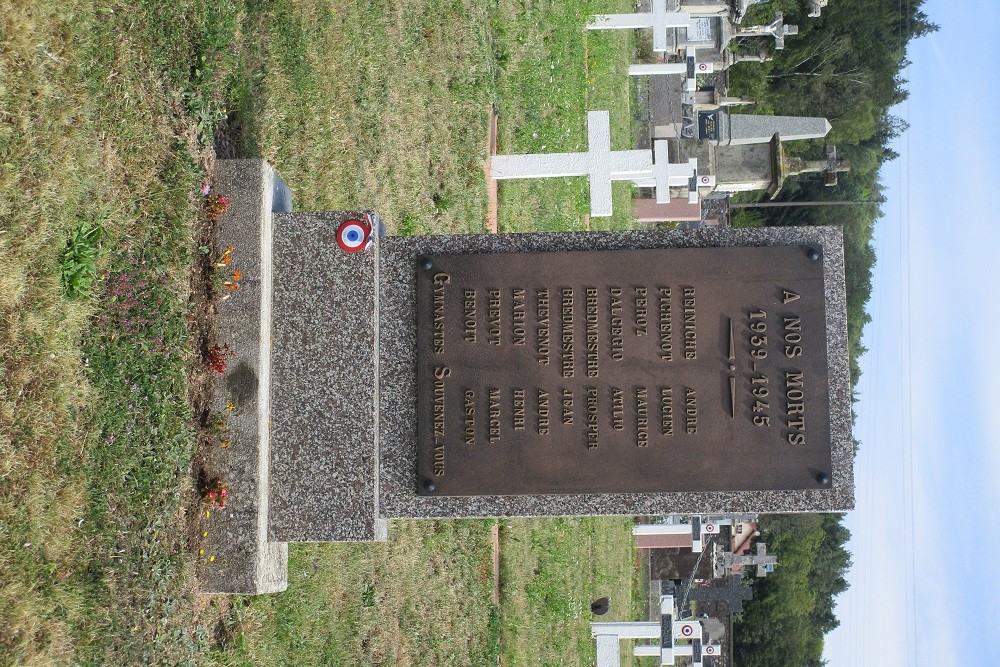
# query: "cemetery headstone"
[[777, 29], [659, 19], [600, 165]]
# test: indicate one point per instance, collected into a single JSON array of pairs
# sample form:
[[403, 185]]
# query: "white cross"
[[690, 68], [667, 174], [666, 657], [612, 633], [659, 20], [600, 164]]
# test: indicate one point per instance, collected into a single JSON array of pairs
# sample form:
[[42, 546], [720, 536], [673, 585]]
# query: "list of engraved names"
[[622, 371]]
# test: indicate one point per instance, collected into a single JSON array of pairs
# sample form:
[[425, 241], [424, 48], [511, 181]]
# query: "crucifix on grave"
[[690, 68], [829, 167], [777, 29], [600, 164], [667, 174], [659, 19], [764, 561], [734, 593]]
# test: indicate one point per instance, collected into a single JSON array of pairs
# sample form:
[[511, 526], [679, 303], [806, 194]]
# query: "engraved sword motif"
[[732, 367]]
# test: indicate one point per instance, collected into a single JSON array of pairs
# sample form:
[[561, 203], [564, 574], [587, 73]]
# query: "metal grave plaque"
[[627, 371]]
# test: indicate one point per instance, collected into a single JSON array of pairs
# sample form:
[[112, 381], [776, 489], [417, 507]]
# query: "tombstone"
[[690, 69], [816, 7], [777, 29], [676, 638], [730, 129], [734, 593], [679, 563], [750, 167], [659, 19], [601, 165], [830, 167], [516, 375], [764, 561]]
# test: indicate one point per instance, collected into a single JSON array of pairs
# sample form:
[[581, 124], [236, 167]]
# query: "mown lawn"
[[106, 118], [551, 570]]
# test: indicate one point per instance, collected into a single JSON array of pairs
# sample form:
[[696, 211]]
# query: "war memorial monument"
[[541, 374]]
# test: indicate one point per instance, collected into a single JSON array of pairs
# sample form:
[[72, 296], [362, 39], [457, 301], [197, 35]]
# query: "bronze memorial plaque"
[[694, 369]]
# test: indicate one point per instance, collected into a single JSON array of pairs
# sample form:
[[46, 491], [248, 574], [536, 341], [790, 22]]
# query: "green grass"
[[551, 570], [106, 110], [554, 71], [423, 598], [95, 434]]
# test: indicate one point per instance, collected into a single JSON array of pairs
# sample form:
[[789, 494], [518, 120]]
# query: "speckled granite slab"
[[324, 385], [235, 554], [397, 378]]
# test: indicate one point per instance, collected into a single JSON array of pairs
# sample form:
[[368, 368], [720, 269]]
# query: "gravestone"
[[777, 29], [734, 593], [600, 165], [353, 420], [659, 19], [690, 69], [741, 129]]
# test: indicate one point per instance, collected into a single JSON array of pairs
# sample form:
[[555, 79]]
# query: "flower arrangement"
[[218, 358], [226, 258], [233, 283], [215, 493], [215, 206]]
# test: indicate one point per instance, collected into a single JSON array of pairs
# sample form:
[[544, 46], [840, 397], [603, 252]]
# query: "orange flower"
[[236, 275], [229, 249], [232, 287], [226, 259]]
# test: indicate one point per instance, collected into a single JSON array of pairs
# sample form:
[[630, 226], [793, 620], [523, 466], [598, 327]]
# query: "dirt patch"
[[491, 184], [202, 312]]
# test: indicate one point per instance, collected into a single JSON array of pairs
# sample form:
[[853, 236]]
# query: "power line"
[[786, 204]]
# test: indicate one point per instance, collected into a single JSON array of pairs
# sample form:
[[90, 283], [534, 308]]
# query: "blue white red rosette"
[[354, 235]]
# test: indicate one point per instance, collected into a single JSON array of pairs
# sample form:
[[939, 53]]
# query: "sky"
[[925, 583]]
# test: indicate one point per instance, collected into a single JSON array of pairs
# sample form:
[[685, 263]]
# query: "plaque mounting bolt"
[[426, 264], [823, 478], [812, 254], [429, 486]]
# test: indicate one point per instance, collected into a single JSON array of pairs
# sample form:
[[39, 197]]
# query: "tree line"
[[847, 65]]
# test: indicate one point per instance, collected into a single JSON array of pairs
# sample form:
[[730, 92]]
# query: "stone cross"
[[829, 167], [600, 164], [764, 561], [777, 29], [816, 7], [735, 593], [659, 19], [690, 68]]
